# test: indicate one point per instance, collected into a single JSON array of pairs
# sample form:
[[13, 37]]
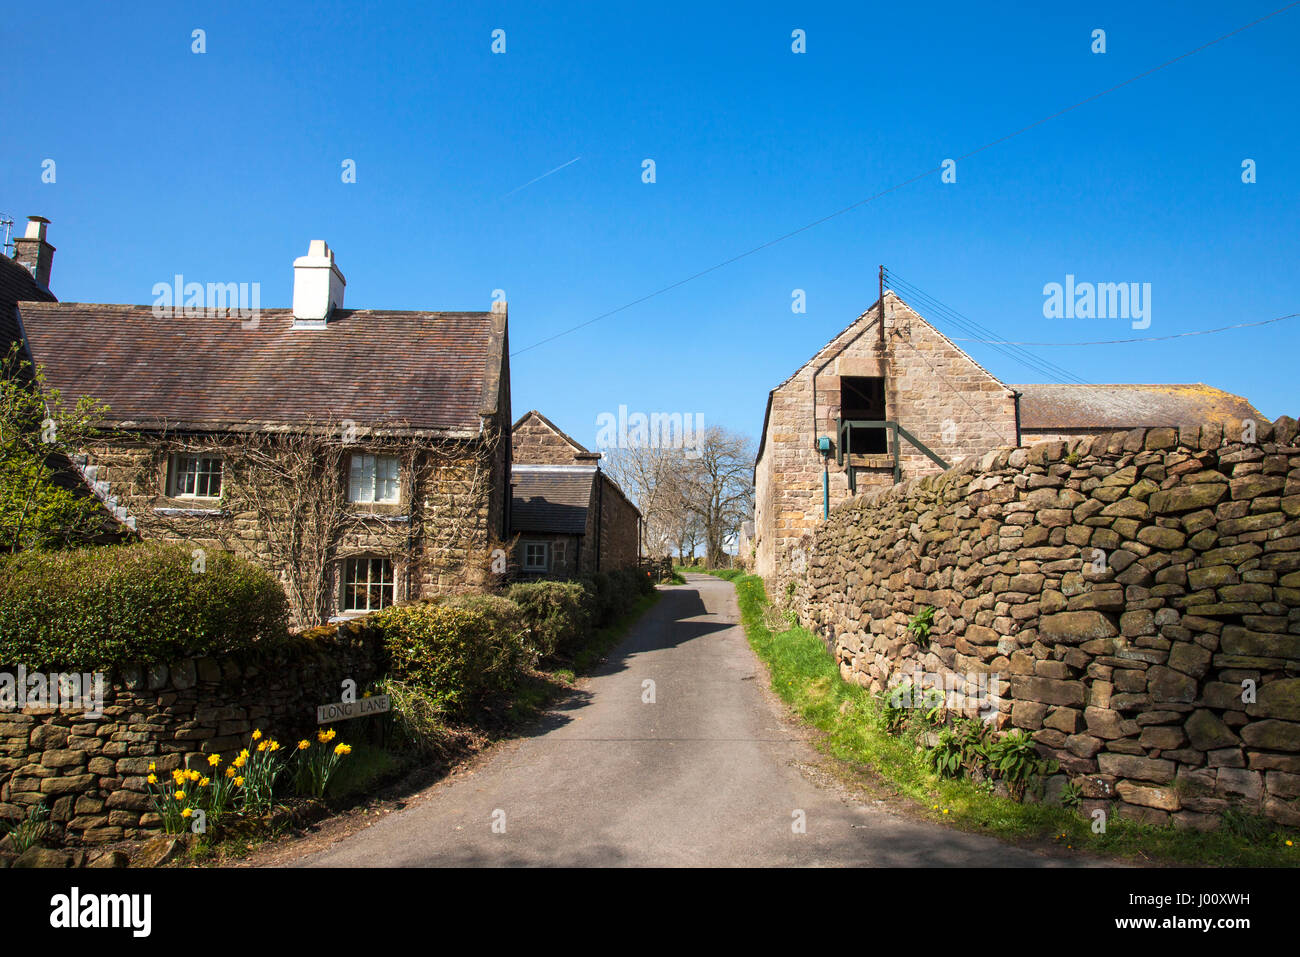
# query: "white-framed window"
[[535, 557], [194, 475], [374, 478], [368, 584]]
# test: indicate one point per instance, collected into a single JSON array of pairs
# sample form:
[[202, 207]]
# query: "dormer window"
[[374, 479], [194, 475]]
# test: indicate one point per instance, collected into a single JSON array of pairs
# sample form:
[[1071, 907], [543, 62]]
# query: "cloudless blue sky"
[[222, 167]]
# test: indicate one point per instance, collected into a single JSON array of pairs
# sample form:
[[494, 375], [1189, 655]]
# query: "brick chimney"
[[317, 285], [33, 253]]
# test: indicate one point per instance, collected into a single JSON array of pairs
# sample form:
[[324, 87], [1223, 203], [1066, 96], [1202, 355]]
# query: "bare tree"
[[720, 488], [653, 478]]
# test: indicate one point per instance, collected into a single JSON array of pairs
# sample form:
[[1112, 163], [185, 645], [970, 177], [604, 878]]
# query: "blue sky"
[[223, 165]]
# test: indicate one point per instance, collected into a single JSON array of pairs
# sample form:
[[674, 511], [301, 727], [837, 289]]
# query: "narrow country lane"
[[709, 774]]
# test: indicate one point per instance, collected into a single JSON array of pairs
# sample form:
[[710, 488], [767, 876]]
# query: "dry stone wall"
[[1136, 595], [90, 773]]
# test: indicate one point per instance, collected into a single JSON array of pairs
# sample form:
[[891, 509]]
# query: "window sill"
[[379, 516], [178, 512]]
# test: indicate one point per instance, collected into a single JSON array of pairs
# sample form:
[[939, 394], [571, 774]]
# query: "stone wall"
[[90, 773], [1137, 595]]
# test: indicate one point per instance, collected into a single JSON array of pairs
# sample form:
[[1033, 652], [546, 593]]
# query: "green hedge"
[[97, 607], [558, 615], [455, 650]]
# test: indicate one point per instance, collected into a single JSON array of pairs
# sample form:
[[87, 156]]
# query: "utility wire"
[[906, 182], [1115, 342]]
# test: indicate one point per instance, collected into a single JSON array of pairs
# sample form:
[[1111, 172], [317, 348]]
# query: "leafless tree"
[[720, 488]]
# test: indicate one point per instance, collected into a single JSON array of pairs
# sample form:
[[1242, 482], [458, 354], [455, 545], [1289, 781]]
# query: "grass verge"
[[807, 678]]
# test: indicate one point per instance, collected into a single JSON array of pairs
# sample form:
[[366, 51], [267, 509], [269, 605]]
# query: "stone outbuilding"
[[930, 405], [568, 516]]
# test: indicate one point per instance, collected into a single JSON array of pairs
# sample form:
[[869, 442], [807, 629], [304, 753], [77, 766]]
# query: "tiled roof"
[[16, 284], [1055, 406], [551, 499], [428, 371]]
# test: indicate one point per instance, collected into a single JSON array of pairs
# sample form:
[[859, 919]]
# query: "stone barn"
[[888, 399]]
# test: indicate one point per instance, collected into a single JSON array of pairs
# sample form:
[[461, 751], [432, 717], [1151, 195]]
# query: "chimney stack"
[[317, 286], [33, 253]]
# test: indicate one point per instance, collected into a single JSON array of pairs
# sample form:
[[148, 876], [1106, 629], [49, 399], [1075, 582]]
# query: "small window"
[[195, 476], [367, 584], [863, 398], [374, 478], [535, 557]]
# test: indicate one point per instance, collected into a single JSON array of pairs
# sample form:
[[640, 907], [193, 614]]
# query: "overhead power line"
[[1116, 342]]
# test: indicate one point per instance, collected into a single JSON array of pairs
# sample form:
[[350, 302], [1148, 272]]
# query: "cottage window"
[[374, 478], [535, 557], [195, 476], [863, 398], [367, 584]]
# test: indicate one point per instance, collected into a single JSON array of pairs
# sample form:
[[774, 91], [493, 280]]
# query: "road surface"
[[709, 773]]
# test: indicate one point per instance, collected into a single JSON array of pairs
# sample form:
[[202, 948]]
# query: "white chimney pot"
[[317, 284]]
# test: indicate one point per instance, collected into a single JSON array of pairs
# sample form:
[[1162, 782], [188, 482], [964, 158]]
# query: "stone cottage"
[[360, 455], [933, 406], [569, 516]]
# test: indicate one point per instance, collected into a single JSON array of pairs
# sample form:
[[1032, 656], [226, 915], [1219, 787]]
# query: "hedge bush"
[[558, 615], [455, 650], [97, 607]]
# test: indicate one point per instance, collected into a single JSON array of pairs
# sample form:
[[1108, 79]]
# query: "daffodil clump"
[[316, 761], [245, 785], [259, 766], [176, 796]]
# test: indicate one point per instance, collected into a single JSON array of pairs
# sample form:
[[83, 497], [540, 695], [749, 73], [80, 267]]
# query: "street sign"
[[343, 710]]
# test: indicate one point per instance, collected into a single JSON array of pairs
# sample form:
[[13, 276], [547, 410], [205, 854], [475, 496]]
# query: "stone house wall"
[[1136, 595], [90, 773], [438, 536]]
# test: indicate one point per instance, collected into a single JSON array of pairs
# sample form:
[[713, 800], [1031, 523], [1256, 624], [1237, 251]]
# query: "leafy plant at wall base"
[[1071, 795], [31, 830], [1014, 760], [921, 624]]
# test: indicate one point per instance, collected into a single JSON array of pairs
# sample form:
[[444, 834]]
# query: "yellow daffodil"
[[192, 775], [152, 779], [275, 746], [304, 744], [230, 771], [178, 776], [204, 782], [180, 795], [214, 759], [239, 781], [257, 734], [324, 737], [187, 812], [343, 749], [153, 766], [241, 760], [261, 747]]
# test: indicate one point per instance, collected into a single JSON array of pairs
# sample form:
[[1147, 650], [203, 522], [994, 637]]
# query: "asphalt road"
[[711, 773]]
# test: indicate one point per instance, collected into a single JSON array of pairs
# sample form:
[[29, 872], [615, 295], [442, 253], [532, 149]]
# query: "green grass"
[[363, 770], [807, 678]]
